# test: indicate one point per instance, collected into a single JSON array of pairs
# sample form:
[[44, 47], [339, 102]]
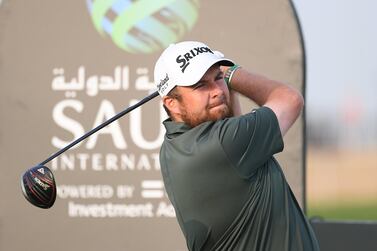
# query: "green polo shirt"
[[228, 191]]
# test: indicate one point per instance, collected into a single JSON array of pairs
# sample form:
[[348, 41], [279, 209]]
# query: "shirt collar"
[[175, 127]]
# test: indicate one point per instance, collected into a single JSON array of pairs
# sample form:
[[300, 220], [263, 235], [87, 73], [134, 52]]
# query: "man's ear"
[[172, 104]]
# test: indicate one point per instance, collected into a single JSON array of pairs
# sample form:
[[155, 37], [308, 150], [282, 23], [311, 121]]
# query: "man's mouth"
[[218, 102], [215, 104]]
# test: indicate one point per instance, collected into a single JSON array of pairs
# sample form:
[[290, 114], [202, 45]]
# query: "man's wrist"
[[229, 74]]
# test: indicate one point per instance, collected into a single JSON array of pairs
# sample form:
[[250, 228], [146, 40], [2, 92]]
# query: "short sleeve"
[[250, 140]]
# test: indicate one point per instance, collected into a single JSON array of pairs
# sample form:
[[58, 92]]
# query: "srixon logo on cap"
[[184, 59]]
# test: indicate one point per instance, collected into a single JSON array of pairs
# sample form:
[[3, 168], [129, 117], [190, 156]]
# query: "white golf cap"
[[184, 64]]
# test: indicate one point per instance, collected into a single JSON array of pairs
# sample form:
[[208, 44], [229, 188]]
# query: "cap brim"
[[201, 70]]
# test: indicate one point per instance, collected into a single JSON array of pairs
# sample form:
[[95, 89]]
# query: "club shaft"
[[94, 130]]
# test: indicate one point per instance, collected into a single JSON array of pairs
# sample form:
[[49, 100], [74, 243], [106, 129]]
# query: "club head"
[[38, 186]]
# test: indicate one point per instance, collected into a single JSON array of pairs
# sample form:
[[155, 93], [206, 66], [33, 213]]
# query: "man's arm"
[[282, 99], [236, 105]]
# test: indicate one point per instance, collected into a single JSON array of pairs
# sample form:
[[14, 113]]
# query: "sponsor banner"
[[67, 66]]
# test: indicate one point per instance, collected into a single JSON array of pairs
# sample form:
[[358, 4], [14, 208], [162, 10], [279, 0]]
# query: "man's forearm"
[[236, 105], [284, 100], [256, 87]]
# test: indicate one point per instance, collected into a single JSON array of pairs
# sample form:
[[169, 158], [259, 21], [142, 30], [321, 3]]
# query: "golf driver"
[[38, 183]]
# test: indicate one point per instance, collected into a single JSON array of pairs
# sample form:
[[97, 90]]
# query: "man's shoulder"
[[180, 133]]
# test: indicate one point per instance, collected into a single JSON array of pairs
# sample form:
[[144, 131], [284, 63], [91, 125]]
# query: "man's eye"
[[219, 76]]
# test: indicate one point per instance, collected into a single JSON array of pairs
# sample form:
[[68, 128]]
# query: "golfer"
[[228, 191]]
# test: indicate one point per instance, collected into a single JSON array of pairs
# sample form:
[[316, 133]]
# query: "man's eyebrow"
[[197, 83], [219, 73], [201, 81]]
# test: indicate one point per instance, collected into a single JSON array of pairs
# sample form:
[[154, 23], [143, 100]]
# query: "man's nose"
[[216, 89]]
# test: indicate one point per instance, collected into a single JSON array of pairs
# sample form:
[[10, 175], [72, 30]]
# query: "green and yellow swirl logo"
[[143, 26]]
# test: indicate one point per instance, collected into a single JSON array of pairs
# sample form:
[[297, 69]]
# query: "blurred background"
[[101, 55], [341, 108], [66, 66]]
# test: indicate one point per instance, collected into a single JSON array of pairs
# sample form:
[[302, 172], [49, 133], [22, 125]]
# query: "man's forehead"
[[214, 69]]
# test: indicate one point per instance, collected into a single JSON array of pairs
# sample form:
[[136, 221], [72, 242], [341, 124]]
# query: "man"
[[228, 191]]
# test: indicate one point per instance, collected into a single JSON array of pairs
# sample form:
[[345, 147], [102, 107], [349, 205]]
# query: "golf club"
[[38, 183]]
